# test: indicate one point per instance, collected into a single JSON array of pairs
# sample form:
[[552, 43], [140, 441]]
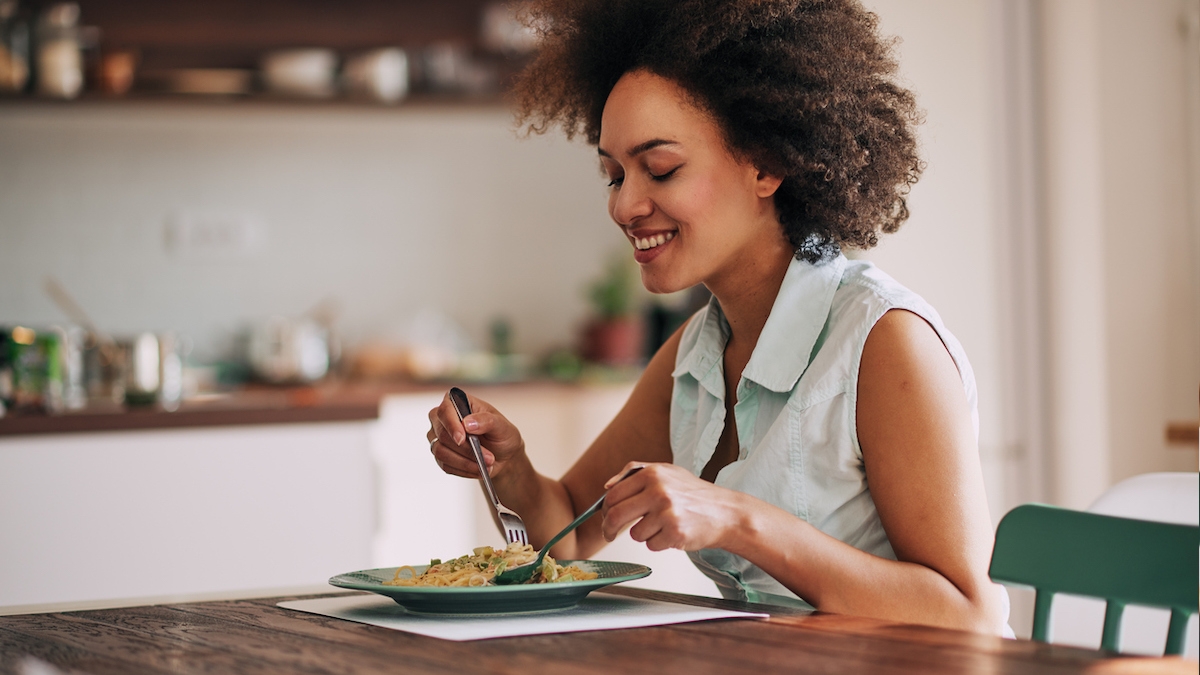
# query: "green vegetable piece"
[[435, 561]]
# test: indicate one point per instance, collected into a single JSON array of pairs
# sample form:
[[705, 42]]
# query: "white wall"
[[1151, 180], [1123, 172], [385, 210], [945, 251]]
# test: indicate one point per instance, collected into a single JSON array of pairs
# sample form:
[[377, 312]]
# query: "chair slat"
[[1177, 632], [1042, 603], [1110, 639]]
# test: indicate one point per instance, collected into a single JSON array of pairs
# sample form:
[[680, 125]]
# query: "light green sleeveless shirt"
[[795, 409]]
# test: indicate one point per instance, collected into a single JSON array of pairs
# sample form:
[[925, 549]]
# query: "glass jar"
[[14, 48], [59, 52]]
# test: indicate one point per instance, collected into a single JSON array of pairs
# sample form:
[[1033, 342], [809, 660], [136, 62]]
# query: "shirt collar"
[[785, 346], [704, 360], [797, 318]]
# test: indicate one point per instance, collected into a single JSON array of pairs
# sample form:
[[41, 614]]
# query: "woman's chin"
[[661, 285]]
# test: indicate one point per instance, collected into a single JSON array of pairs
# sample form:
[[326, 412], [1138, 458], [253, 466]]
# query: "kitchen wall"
[[1150, 140], [945, 251], [387, 211], [1122, 173]]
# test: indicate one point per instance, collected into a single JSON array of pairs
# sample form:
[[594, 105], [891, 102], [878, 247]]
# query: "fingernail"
[[471, 424]]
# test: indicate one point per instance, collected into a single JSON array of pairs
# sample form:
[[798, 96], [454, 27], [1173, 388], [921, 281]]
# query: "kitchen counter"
[[329, 402], [239, 408]]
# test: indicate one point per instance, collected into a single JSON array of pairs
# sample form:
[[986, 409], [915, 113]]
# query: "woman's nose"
[[629, 203]]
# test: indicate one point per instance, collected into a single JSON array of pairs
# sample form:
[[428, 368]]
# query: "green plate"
[[491, 599]]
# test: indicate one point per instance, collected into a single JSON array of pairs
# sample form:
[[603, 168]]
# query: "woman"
[[809, 436]]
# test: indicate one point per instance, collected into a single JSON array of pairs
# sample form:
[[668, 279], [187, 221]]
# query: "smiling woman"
[[809, 437]]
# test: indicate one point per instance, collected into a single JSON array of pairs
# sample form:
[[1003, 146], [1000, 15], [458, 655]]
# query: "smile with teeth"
[[652, 241]]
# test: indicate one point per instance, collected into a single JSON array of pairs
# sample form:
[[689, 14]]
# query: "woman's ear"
[[766, 184]]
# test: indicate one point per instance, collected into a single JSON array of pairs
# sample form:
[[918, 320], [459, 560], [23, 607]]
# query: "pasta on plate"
[[484, 563]]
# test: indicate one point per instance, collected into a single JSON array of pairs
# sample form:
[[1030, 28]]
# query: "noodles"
[[484, 563]]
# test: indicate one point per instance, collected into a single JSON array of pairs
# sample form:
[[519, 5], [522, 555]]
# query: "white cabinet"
[[95, 516]]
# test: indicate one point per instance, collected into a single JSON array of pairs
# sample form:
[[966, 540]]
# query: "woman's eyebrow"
[[640, 147]]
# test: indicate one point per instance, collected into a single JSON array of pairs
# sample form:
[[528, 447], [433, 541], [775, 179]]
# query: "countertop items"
[[256, 636], [361, 51]]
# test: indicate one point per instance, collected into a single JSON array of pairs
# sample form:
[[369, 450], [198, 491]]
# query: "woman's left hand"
[[671, 508]]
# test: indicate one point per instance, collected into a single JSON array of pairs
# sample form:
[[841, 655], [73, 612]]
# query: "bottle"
[[59, 53], [14, 49]]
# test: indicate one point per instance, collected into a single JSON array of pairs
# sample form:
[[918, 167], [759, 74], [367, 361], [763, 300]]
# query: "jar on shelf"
[[14, 48], [59, 52]]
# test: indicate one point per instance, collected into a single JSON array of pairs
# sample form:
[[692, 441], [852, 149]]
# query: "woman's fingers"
[[626, 500], [668, 507], [454, 463], [448, 442]]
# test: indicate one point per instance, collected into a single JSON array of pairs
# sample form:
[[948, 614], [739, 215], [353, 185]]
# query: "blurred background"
[[304, 205]]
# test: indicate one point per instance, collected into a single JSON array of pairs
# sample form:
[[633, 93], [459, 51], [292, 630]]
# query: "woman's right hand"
[[447, 438]]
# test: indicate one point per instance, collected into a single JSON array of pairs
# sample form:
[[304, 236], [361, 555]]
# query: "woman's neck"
[[748, 293]]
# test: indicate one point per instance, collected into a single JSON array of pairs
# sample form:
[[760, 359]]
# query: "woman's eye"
[[662, 176], [616, 182]]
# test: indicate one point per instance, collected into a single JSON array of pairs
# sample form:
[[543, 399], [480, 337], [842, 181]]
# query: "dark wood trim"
[[334, 401], [153, 419], [1183, 433]]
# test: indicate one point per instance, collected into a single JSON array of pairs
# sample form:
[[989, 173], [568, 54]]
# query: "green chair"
[[1121, 560]]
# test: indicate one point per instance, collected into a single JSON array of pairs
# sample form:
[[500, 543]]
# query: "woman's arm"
[[639, 433], [914, 426]]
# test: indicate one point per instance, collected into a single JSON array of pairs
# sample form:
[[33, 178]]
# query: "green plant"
[[614, 293]]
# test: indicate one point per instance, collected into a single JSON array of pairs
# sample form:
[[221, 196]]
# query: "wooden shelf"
[[1183, 433], [422, 101], [229, 34], [234, 34]]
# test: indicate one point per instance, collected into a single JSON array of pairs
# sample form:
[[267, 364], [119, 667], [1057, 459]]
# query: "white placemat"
[[595, 612]]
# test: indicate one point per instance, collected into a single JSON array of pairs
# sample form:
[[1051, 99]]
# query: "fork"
[[510, 523]]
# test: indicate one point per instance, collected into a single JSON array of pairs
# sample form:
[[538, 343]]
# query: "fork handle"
[[463, 407]]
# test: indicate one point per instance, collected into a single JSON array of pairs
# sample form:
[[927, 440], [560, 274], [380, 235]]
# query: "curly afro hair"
[[803, 89]]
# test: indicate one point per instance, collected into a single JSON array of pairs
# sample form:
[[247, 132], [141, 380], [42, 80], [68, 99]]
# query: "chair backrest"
[[1165, 497], [1121, 560]]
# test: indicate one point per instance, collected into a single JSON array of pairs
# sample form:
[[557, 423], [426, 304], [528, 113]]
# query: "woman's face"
[[692, 212]]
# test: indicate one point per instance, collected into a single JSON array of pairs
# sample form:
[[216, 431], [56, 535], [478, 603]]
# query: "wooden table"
[[255, 636]]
